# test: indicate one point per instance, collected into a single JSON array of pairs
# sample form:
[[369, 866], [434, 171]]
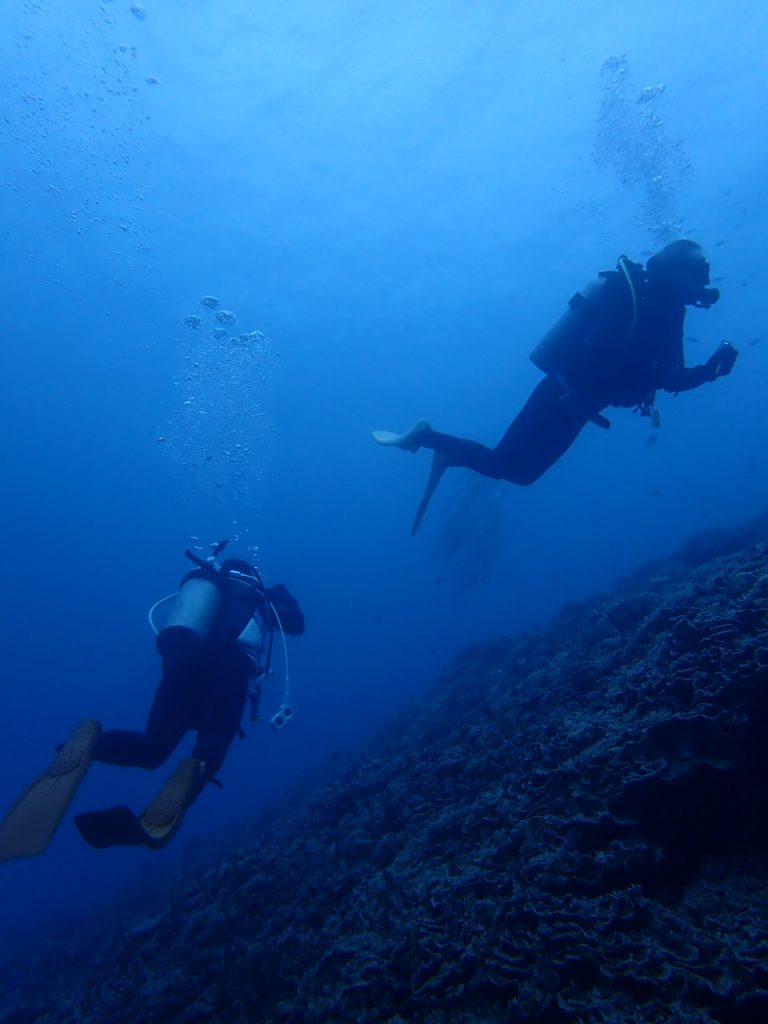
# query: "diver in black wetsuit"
[[215, 650], [620, 341], [216, 644], [205, 691]]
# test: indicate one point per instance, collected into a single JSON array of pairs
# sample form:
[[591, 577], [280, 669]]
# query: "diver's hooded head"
[[680, 271]]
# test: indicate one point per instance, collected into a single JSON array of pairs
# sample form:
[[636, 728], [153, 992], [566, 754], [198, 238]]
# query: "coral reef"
[[576, 832]]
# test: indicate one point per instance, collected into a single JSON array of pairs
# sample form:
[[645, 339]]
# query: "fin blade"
[[390, 439], [439, 466], [386, 437], [32, 821], [161, 820], [156, 825]]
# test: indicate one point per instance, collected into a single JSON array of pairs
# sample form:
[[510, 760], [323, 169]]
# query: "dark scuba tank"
[[192, 616], [565, 345], [241, 599]]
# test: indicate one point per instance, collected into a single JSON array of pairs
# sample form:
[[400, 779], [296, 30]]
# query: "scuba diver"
[[215, 637], [620, 340]]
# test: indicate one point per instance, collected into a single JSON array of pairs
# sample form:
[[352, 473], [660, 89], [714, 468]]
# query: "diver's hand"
[[720, 363]]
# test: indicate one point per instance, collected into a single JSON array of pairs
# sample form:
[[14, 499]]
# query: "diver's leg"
[[543, 430], [457, 451], [464, 453], [165, 727], [219, 710]]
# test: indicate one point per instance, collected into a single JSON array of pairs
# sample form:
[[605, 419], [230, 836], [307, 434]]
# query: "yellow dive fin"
[[30, 824], [155, 826], [161, 820]]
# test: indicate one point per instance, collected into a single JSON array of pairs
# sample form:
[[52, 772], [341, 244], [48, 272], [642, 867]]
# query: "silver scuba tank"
[[565, 344], [191, 618]]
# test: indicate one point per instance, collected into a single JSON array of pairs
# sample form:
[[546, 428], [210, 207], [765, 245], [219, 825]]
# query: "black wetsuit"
[[620, 364], [206, 694]]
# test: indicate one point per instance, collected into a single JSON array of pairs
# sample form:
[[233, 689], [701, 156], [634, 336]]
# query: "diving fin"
[[155, 826], [439, 466], [409, 442], [30, 824], [406, 441]]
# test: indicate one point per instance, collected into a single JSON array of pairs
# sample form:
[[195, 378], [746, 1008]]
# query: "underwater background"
[[396, 201]]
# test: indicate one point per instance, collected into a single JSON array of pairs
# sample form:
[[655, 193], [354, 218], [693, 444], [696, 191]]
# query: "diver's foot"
[[410, 441]]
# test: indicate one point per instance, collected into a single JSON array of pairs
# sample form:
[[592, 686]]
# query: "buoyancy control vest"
[[599, 317]]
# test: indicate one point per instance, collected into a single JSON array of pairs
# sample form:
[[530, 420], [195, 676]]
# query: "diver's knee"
[[151, 762], [522, 478], [152, 757], [211, 755]]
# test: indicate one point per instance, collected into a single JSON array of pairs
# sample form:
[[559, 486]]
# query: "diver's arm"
[[686, 378]]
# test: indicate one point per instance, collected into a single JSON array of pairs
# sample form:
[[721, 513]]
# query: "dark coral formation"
[[571, 827]]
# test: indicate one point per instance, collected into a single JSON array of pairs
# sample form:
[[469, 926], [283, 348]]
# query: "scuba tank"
[[565, 347], [211, 602], [192, 616]]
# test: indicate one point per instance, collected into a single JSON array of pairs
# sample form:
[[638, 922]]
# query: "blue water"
[[400, 198]]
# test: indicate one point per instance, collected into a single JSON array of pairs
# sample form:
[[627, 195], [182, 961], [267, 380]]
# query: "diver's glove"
[[720, 363]]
